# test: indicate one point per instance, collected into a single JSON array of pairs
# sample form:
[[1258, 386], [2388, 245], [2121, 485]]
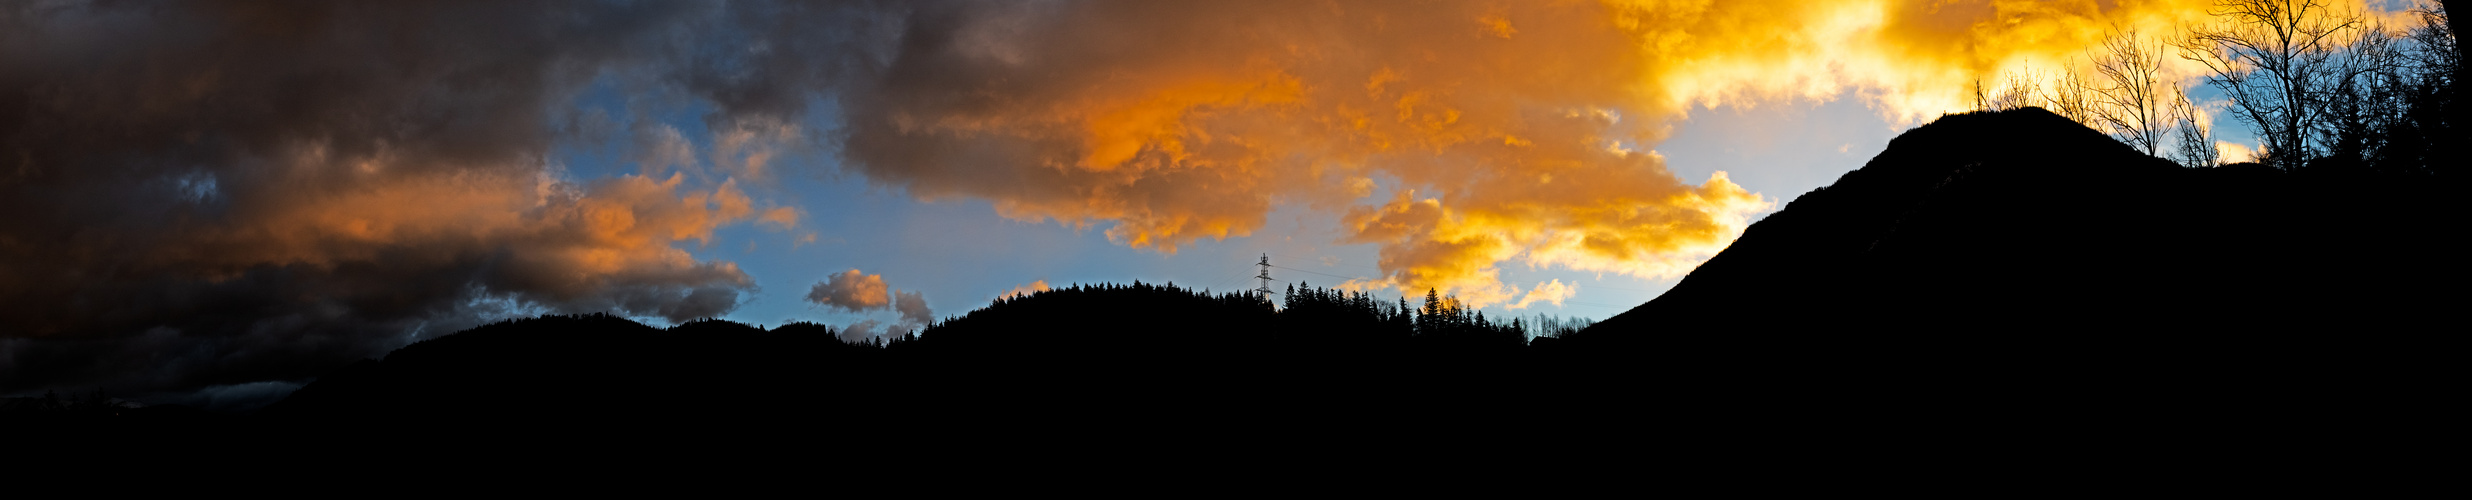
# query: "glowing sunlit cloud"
[[851, 291], [1500, 114], [1550, 291], [858, 292], [1024, 290], [608, 245], [1168, 123], [2233, 152], [779, 218]]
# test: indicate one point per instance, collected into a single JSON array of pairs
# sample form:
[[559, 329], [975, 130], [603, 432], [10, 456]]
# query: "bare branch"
[[2275, 59], [2073, 98], [2193, 144], [2130, 100]]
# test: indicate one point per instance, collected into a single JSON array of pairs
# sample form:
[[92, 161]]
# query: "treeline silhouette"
[[51, 406], [1084, 360], [1108, 358]]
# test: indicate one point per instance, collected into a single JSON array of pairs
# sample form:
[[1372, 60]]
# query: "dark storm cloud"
[[913, 307], [224, 193]]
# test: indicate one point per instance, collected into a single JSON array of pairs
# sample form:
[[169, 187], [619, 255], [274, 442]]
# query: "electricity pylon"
[[1264, 291]]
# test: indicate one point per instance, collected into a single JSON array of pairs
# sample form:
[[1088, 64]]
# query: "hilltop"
[[2024, 221], [2017, 255]]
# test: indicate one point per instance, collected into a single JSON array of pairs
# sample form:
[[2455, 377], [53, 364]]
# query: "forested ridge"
[[1095, 343]]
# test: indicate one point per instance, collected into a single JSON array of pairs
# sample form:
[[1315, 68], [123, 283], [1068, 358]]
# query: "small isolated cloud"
[[1548, 293], [913, 307], [2233, 152], [859, 292], [1024, 290], [1551, 291], [862, 330], [851, 291], [779, 219]]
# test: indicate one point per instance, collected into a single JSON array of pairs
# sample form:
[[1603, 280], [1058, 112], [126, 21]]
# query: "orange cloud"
[[1500, 126], [859, 292], [1911, 60], [1174, 122], [852, 291], [1550, 291], [566, 244], [1033, 287], [779, 218], [1177, 122]]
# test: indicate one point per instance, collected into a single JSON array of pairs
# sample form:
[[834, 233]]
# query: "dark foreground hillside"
[[2010, 276], [2020, 254], [2025, 221]]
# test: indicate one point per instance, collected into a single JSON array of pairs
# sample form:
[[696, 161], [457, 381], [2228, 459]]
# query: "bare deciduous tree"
[[2273, 58], [2429, 139], [2073, 98], [2362, 96], [2016, 90], [2131, 100], [2193, 141], [2433, 41]]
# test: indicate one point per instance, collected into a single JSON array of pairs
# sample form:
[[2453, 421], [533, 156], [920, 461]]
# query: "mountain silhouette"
[[2023, 221], [2001, 261]]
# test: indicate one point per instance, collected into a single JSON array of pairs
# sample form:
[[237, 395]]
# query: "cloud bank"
[[1456, 136]]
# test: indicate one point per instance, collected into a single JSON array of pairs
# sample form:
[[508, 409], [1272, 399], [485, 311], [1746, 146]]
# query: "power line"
[[1239, 279], [1376, 270], [1322, 273], [1622, 289]]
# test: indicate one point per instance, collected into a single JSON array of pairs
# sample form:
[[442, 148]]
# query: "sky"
[[229, 197]]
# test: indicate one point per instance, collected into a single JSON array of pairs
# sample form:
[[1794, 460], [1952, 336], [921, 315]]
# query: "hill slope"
[[2020, 240]]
